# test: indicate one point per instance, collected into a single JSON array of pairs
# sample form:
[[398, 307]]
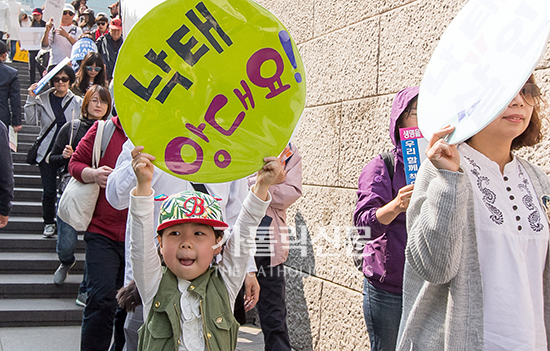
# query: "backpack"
[[357, 242]]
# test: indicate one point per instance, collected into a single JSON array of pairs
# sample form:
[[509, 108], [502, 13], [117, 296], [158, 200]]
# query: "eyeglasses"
[[64, 79], [530, 93], [67, 13], [412, 113], [101, 23], [91, 68], [97, 101]]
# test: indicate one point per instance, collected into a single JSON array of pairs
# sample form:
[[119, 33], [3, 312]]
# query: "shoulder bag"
[[77, 204], [65, 176]]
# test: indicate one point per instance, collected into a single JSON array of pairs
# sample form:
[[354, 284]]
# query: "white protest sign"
[[42, 82], [31, 38], [134, 10], [54, 9], [481, 62]]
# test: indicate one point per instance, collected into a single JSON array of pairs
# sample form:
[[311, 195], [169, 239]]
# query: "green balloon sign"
[[209, 87]]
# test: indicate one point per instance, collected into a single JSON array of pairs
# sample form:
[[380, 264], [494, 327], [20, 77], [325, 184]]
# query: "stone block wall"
[[358, 54]]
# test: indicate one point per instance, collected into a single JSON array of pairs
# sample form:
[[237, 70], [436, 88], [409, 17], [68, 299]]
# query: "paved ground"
[[68, 339]]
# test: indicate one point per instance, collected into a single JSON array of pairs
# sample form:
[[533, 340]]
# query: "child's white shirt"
[[148, 271]]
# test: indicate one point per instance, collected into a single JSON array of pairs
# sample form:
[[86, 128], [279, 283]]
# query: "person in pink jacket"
[[272, 251]]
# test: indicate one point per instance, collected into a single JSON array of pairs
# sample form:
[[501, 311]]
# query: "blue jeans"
[[105, 269], [13, 49], [66, 244], [382, 311]]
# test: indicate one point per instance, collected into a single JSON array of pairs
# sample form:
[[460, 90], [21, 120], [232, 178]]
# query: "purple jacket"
[[384, 255]]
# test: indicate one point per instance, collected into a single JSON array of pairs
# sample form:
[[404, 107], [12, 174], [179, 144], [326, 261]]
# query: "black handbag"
[[33, 151]]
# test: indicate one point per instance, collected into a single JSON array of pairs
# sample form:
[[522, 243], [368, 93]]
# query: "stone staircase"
[[28, 296]]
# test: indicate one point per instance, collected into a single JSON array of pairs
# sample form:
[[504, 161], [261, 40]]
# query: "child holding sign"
[[190, 301]]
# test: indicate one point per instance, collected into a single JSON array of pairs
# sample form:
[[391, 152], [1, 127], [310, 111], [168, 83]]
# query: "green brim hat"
[[191, 207]]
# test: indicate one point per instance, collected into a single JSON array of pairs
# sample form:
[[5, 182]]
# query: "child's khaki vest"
[[162, 329]]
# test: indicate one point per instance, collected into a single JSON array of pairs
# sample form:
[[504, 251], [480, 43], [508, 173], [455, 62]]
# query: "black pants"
[[271, 305], [105, 273], [48, 174], [34, 65]]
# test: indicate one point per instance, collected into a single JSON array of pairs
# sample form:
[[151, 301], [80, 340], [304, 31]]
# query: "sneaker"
[[61, 273], [49, 230], [81, 299]]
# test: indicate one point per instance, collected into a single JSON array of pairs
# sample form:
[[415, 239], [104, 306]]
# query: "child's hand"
[[143, 168], [270, 174]]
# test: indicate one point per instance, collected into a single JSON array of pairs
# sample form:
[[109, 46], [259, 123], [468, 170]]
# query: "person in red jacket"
[[104, 242]]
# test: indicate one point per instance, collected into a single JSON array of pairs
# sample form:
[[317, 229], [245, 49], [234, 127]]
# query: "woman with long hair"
[[477, 273], [87, 21], [91, 71]]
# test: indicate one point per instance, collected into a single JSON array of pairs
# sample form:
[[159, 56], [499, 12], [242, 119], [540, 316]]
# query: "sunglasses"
[[67, 13], [60, 79], [101, 23], [91, 68], [530, 93]]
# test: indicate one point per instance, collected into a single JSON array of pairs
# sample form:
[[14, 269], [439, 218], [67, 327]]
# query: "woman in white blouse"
[[477, 275]]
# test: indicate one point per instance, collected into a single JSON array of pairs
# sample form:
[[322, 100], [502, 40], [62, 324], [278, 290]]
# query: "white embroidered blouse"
[[512, 238]]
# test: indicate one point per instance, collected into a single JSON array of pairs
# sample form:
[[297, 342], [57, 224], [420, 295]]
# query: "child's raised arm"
[[270, 174], [143, 168]]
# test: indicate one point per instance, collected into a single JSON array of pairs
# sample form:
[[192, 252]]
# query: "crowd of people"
[[456, 261], [76, 109], [59, 40]]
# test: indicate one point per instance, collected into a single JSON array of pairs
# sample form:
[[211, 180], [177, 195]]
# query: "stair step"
[[33, 243], [27, 194], [27, 180], [29, 286], [26, 208], [19, 157], [25, 168], [28, 296], [39, 312], [30, 225], [23, 146], [35, 263], [26, 137], [30, 129]]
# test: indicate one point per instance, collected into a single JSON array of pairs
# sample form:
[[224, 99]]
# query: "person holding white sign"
[[477, 274], [37, 21], [53, 108], [61, 39]]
